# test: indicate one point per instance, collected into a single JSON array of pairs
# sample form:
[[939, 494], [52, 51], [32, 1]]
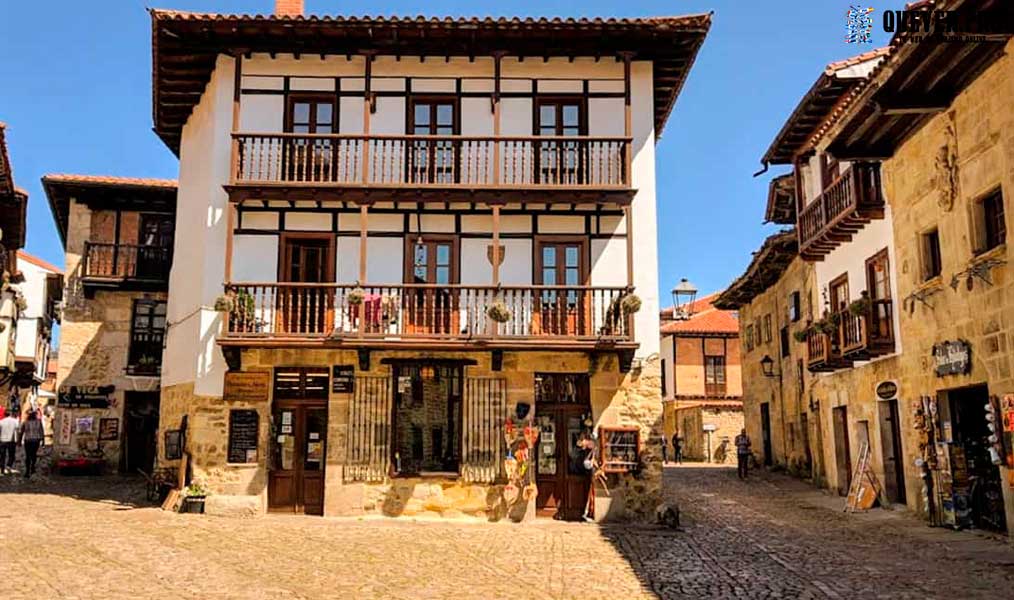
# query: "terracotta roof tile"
[[109, 180], [38, 262], [705, 319]]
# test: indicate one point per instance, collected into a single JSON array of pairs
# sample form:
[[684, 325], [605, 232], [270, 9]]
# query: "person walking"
[[677, 448], [8, 442], [742, 454], [665, 450], [32, 436]]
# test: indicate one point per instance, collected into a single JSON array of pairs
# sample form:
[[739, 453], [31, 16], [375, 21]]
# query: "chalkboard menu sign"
[[342, 379], [243, 429]]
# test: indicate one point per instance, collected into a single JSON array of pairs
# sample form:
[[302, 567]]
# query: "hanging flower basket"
[[356, 296], [861, 307], [498, 312], [225, 303], [801, 335], [630, 303], [21, 302]]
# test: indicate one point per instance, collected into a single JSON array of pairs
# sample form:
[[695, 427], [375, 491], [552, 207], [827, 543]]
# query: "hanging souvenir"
[[531, 434], [510, 493], [510, 466], [531, 491], [521, 454]]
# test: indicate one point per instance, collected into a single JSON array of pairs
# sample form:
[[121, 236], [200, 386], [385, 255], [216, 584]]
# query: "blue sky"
[[76, 97]]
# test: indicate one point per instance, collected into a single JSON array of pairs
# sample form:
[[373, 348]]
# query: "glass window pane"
[[572, 256], [547, 116], [422, 114], [420, 274], [549, 256], [323, 129], [572, 277], [420, 254], [570, 115], [443, 254], [443, 275], [158, 323], [548, 276], [300, 129], [571, 131], [301, 112], [324, 113], [445, 114]]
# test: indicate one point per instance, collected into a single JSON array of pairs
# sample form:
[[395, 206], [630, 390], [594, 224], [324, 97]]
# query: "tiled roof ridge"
[[38, 262], [855, 60], [109, 180]]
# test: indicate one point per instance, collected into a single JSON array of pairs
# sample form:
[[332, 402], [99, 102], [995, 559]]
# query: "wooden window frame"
[[283, 256], [841, 281], [132, 353], [991, 221], [795, 307], [605, 447], [544, 240], [408, 266], [315, 97], [882, 256], [767, 328], [748, 333], [413, 100], [931, 257], [712, 385], [664, 378]]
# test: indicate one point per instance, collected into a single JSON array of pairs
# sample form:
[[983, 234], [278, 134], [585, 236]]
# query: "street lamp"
[[683, 296], [768, 366]]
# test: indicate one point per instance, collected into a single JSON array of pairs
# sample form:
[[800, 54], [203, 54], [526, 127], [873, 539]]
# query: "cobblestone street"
[[770, 537]]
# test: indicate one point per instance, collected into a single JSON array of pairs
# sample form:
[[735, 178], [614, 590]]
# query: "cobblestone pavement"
[[771, 537]]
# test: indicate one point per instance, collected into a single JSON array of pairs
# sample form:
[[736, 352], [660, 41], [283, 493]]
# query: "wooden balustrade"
[[448, 312], [824, 350], [868, 334], [109, 261], [848, 203], [431, 161]]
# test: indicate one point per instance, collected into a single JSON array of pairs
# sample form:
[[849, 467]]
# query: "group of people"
[[742, 452], [14, 432]]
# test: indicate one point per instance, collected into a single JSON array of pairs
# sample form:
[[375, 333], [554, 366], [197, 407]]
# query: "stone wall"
[[977, 133], [617, 399], [692, 418]]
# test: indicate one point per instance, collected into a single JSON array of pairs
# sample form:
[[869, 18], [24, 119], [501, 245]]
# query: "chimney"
[[289, 8]]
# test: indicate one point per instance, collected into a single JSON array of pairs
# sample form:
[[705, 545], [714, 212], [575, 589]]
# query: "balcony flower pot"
[[498, 312], [193, 505], [225, 303], [630, 303], [861, 306], [356, 296], [802, 335]]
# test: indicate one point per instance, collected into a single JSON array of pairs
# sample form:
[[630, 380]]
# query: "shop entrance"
[[563, 414], [140, 432], [298, 441], [890, 444], [972, 470], [842, 452]]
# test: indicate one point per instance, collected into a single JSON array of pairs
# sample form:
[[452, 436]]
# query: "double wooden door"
[[432, 308], [299, 448], [562, 478], [154, 246], [306, 309], [562, 309]]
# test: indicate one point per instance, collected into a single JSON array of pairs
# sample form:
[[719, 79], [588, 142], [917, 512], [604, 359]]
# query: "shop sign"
[[952, 358], [887, 390], [343, 379], [246, 386], [109, 429], [85, 396]]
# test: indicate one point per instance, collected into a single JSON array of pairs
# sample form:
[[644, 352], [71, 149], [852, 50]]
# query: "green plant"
[[195, 489], [356, 296], [21, 302], [630, 303], [225, 303], [861, 306], [801, 335], [498, 311]]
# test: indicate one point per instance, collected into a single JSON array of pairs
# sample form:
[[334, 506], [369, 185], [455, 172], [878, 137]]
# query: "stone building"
[[393, 235], [42, 287], [117, 234], [701, 379], [946, 168], [13, 205]]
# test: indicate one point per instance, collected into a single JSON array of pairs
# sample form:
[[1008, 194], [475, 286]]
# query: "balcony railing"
[[421, 311], [431, 161], [844, 207], [145, 354], [869, 334], [824, 350], [126, 262]]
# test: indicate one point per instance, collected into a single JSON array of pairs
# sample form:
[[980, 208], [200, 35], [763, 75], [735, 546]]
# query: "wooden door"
[[306, 309], [433, 160], [154, 246], [140, 431], [878, 285], [564, 311], [307, 157], [562, 407], [296, 481], [839, 289], [432, 261], [842, 453], [890, 446], [766, 433], [560, 162]]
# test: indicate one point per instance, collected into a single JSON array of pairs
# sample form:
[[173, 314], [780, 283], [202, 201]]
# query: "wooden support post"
[[628, 214], [495, 257], [363, 230], [231, 208], [628, 123], [367, 111], [497, 57], [116, 243]]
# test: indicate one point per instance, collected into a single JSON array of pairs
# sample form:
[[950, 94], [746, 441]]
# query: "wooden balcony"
[[824, 352], [431, 167], [127, 266], [420, 315], [868, 335], [843, 208]]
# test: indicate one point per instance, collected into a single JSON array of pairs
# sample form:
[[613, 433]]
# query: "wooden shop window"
[[621, 449]]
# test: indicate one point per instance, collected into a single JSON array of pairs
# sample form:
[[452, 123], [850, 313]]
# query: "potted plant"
[[630, 303], [356, 296], [861, 307], [193, 498], [801, 335], [225, 302], [498, 311]]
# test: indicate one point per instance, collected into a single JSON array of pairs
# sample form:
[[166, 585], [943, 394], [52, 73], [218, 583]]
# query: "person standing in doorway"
[[8, 442], [33, 436], [677, 448], [665, 450], [742, 453]]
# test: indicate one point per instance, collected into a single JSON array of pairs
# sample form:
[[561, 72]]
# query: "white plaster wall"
[[199, 252], [850, 257], [308, 221], [516, 268], [260, 258], [386, 267], [609, 263], [261, 113], [644, 220]]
